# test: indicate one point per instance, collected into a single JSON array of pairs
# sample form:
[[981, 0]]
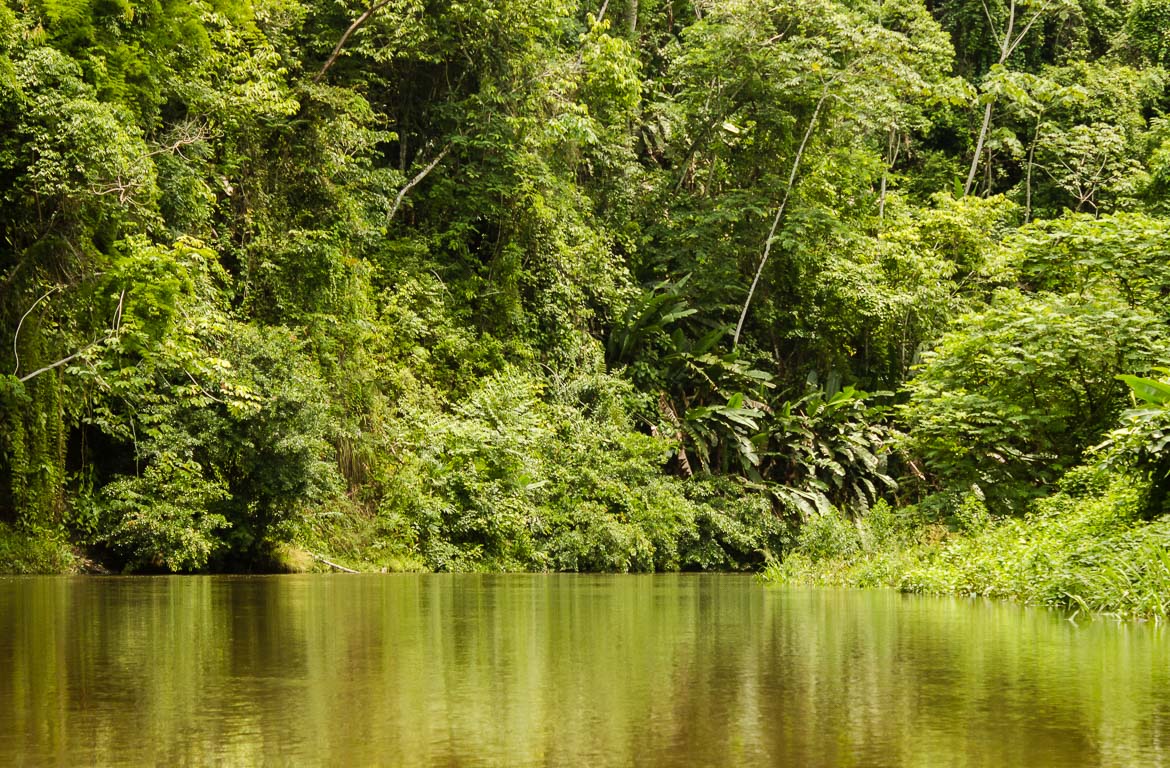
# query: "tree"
[[1015, 29]]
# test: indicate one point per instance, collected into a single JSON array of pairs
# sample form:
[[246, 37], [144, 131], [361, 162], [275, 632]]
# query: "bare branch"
[[124, 190], [418, 177], [978, 149], [893, 145], [812, 123], [116, 323], [115, 326], [1008, 45], [345, 37], [16, 336], [182, 141], [1005, 41], [57, 364], [331, 564], [1024, 32], [200, 386], [991, 24]]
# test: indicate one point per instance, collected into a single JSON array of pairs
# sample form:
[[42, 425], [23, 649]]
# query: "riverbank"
[[25, 553], [615, 513], [1083, 549]]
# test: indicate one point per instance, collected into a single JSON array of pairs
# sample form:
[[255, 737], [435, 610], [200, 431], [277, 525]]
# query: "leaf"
[[708, 341], [1150, 390], [677, 314]]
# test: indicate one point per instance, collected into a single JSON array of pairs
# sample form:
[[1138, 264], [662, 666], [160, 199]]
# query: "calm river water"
[[670, 670]]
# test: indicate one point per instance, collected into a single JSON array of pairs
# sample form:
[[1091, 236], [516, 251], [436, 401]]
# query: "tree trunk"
[[1031, 165], [345, 37], [891, 159], [978, 150], [1007, 46], [812, 123]]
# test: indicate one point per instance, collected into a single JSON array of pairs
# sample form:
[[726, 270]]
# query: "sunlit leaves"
[[1140, 442], [1015, 394], [1125, 253]]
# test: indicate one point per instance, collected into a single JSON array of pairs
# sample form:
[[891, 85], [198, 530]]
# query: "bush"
[[163, 518], [1013, 396], [1084, 548], [224, 474], [520, 476], [38, 552], [827, 537]]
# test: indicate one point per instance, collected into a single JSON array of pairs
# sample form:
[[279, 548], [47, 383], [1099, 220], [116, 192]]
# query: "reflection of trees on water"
[[560, 670]]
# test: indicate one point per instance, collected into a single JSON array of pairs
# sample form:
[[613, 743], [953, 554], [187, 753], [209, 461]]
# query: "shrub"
[[1013, 396], [523, 476], [35, 552]]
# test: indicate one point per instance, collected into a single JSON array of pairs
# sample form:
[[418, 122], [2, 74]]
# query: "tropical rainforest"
[[855, 291]]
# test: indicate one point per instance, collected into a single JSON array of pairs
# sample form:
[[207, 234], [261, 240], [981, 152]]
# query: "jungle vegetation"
[[555, 285]]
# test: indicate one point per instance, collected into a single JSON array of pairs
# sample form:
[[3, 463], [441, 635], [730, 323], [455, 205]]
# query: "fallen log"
[[332, 564]]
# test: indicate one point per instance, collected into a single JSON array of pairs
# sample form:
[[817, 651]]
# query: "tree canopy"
[[564, 285]]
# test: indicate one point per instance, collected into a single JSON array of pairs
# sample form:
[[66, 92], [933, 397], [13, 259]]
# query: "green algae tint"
[[671, 670]]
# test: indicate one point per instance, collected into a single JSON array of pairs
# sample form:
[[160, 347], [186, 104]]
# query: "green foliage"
[[517, 477], [35, 551], [833, 550], [1125, 254], [335, 277], [829, 536], [31, 448], [827, 452], [1089, 162], [1082, 550], [1146, 29], [1015, 394], [1078, 553], [1140, 443], [162, 518]]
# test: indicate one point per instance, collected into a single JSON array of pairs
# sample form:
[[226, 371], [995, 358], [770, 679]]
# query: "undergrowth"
[[1084, 548], [22, 552]]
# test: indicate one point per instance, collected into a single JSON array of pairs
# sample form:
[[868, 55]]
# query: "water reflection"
[[561, 670]]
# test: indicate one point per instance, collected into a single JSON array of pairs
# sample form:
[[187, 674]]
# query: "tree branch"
[[1008, 45], [182, 141], [893, 145], [991, 24], [1024, 32], [115, 326], [16, 336], [57, 364], [418, 177], [705, 133], [345, 37], [812, 123], [978, 150], [332, 564]]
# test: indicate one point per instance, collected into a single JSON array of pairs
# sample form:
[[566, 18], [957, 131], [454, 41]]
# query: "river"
[[562, 670]]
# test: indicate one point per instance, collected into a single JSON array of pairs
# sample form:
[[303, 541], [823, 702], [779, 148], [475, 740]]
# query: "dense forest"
[[864, 290]]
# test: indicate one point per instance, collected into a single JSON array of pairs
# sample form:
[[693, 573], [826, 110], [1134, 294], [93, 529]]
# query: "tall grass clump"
[[1085, 548], [22, 552]]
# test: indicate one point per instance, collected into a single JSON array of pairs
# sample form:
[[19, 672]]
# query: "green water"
[[437, 670]]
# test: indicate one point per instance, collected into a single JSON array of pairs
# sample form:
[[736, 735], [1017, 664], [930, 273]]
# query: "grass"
[[1082, 551], [22, 552]]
